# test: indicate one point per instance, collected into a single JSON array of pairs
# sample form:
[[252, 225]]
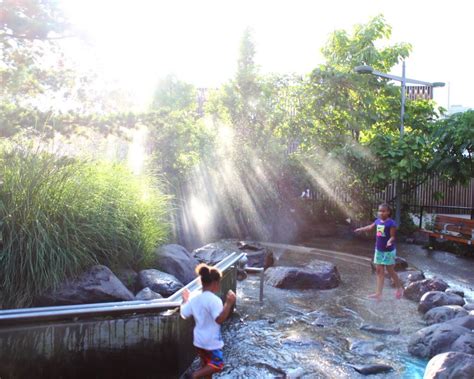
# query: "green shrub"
[[59, 215]]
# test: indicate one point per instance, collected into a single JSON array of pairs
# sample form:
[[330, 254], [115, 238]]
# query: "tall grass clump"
[[59, 215]]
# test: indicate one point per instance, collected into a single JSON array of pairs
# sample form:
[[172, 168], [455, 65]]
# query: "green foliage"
[[178, 141], [453, 145], [60, 215], [28, 39], [174, 95]]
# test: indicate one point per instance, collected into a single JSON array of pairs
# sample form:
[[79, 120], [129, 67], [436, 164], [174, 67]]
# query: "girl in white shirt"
[[209, 313]]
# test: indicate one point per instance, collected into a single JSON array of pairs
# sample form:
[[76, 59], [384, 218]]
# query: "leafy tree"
[[352, 120], [453, 146], [174, 94], [29, 31]]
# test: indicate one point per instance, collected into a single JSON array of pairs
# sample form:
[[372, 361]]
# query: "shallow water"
[[318, 332]]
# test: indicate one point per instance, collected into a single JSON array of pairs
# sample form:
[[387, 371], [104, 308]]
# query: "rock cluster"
[[173, 267], [448, 338]]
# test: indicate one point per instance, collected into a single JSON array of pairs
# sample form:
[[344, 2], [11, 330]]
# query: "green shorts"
[[386, 258]]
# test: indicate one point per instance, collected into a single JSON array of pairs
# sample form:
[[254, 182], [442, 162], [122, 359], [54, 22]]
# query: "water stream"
[[318, 332]]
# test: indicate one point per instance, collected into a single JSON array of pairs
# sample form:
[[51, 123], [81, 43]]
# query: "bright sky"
[[138, 41]]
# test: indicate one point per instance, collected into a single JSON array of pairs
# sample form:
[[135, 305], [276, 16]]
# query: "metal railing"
[[55, 313]]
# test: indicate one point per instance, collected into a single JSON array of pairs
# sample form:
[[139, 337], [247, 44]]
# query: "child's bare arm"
[[365, 228], [230, 301], [393, 232], [185, 296]]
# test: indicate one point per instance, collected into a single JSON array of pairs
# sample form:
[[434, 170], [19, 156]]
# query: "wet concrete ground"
[[318, 332]]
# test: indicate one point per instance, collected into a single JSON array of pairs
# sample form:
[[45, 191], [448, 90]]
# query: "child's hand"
[[185, 295], [231, 297], [358, 230], [389, 243]]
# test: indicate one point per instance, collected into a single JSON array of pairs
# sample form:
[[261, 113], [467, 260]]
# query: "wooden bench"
[[451, 228]]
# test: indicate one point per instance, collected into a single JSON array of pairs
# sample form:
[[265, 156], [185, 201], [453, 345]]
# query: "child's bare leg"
[[396, 281], [393, 274], [204, 372], [380, 280]]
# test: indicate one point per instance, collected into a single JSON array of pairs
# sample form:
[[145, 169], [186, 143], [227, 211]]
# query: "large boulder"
[[453, 335], [147, 294], [96, 285], [160, 282], [450, 365], [322, 275], [128, 277], [177, 261], [415, 290], [435, 299], [444, 313]]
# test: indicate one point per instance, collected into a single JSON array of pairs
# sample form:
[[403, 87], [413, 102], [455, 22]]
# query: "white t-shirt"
[[205, 308]]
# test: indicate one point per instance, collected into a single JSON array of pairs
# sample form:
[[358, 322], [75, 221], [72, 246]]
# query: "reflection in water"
[[319, 331]]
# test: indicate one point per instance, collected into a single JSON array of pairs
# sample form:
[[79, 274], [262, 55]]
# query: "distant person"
[[385, 249], [305, 194], [209, 314]]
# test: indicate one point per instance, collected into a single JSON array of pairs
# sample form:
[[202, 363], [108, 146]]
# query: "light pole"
[[403, 81]]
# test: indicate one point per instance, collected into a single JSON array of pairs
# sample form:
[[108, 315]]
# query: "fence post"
[[421, 216]]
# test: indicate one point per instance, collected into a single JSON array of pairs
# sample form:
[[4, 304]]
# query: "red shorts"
[[212, 358]]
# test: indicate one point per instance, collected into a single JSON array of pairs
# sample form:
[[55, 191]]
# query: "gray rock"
[[295, 373], [96, 285], [464, 344], [369, 369], [407, 277], [366, 348], [401, 264], [257, 255], [160, 282], [241, 274], [465, 322], [434, 299], [457, 292], [213, 253], [128, 277], [378, 329], [415, 290], [147, 294], [323, 275], [443, 337], [469, 307], [177, 261], [444, 313], [449, 366]]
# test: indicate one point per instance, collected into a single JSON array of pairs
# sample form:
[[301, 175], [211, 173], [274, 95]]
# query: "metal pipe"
[[261, 271]]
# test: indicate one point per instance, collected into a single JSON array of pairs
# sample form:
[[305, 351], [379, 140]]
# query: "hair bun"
[[202, 270]]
